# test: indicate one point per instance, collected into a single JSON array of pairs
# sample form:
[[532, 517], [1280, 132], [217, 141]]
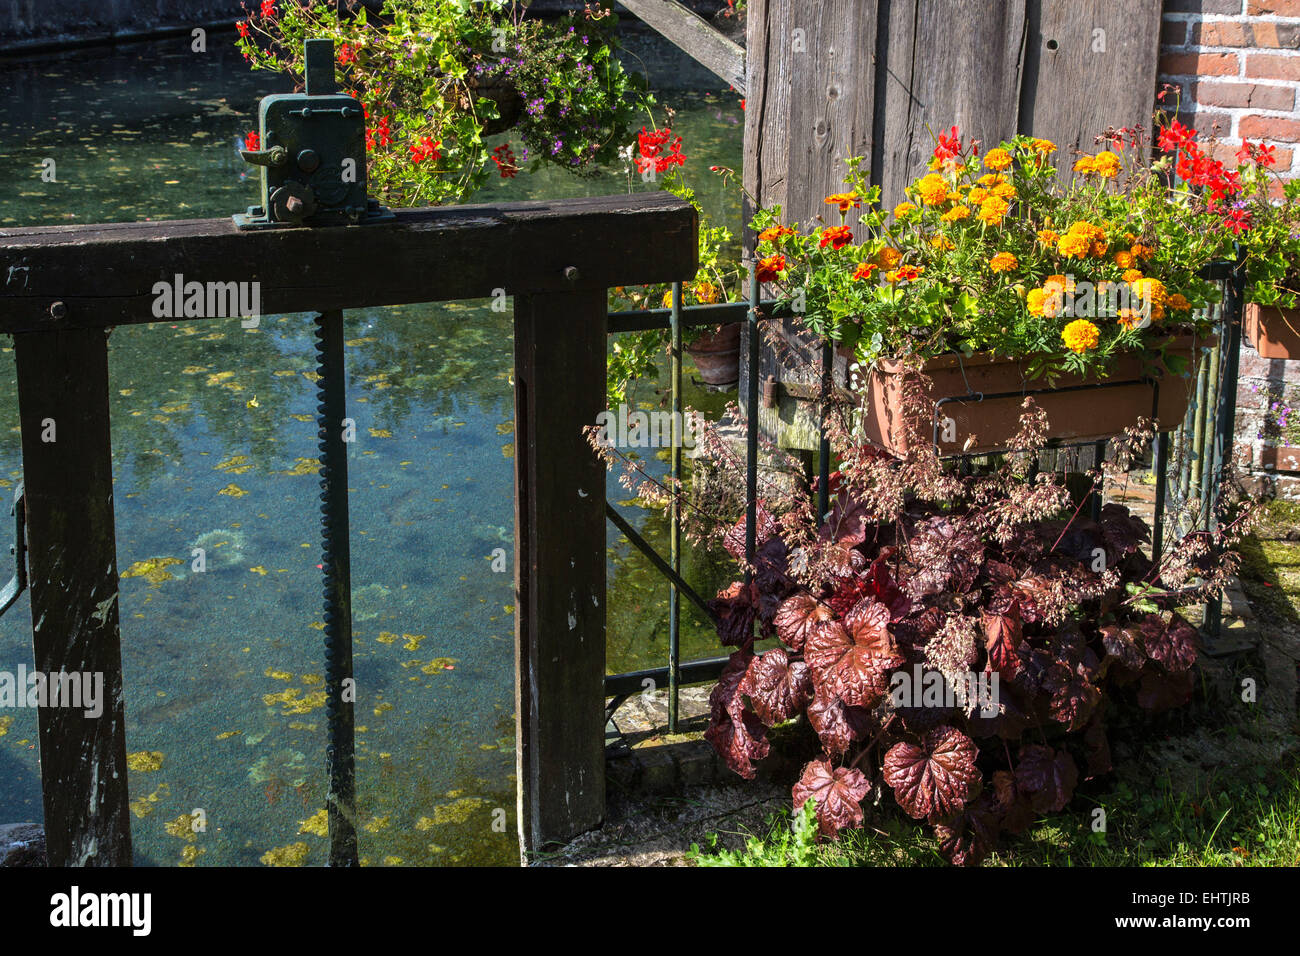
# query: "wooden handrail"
[[556, 259]]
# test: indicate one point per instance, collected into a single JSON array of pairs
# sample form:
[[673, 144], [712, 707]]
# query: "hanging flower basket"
[[965, 424], [1273, 331]]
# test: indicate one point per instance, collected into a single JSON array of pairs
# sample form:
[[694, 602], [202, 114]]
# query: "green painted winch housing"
[[313, 154]]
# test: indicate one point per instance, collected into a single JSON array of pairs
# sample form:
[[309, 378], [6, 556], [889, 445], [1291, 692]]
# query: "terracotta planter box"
[[1273, 331], [967, 426], [717, 356], [1280, 458]]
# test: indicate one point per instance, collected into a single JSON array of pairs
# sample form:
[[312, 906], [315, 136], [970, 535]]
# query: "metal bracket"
[[18, 583]]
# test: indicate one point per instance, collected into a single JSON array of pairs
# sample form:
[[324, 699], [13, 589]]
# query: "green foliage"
[[791, 841], [1272, 244]]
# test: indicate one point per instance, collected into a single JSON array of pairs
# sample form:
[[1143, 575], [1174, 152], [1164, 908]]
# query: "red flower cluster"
[[653, 156], [1259, 154], [1196, 168], [252, 140], [949, 146], [504, 157], [380, 134], [425, 148], [268, 8], [242, 27], [346, 54]]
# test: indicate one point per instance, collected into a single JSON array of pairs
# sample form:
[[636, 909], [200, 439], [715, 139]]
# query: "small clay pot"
[[1273, 331], [717, 355]]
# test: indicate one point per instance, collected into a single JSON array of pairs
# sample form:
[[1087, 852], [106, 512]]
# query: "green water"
[[214, 447]]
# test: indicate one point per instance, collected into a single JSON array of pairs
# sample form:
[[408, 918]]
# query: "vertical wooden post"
[[560, 544], [72, 568]]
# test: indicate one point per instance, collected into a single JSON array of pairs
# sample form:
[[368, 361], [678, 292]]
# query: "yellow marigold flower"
[[1150, 290], [1178, 302], [992, 210], [1003, 262], [1080, 336], [933, 189], [1047, 237], [1130, 238], [989, 180], [1034, 301], [1132, 275], [706, 292], [978, 195], [903, 210], [997, 159], [954, 197], [1124, 259], [1106, 165], [1141, 252], [1099, 247], [845, 201], [1005, 191], [887, 258], [1083, 164], [956, 213], [1087, 230], [1043, 146], [1073, 245], [667, 301], [942, 243]]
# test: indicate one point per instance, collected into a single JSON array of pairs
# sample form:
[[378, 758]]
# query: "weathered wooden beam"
[[695, 37], [105, 274], [560, 344], [72, 572]]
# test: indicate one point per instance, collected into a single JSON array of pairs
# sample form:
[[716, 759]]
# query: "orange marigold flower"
[[1141, 252], [933, 189], [1132, 318], [903, 210], [1083, 164], [1132, 275], [706, 292], [905, 273], [845, 201], [1005, 191], [1003, 262], [1073, 245], [989, 180], [992, 210], [1178, 302], [1035, 299], [864, 270], [1124, 259], [978, 195], [942, 243], [770, 269], [997, 159], [956, 213], [1043, 146], [837, 237], [1106, 165], [774, 233], [888, 257], [1080, 336], [1047, 237]]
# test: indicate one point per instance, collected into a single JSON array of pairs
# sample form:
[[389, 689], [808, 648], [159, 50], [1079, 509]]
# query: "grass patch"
[[1234, 821]]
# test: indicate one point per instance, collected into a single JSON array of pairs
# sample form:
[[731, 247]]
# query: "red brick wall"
[[1236, 64]]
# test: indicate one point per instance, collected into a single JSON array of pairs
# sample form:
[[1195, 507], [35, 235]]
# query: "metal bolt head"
[[571, 273], [58, 310], [308, 161]]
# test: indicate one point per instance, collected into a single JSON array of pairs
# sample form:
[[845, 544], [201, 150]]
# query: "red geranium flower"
[[504, 157], [252, 140], [242, 27], [425, 148], [268, 8]]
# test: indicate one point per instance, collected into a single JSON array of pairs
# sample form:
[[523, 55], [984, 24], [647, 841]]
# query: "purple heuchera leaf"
[[736, 611], [777, 687], [734, 730], [935, 778], [837, 726], [1173, 644], [797, 617], [1047, 776], [851, 659], [839, 792]]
